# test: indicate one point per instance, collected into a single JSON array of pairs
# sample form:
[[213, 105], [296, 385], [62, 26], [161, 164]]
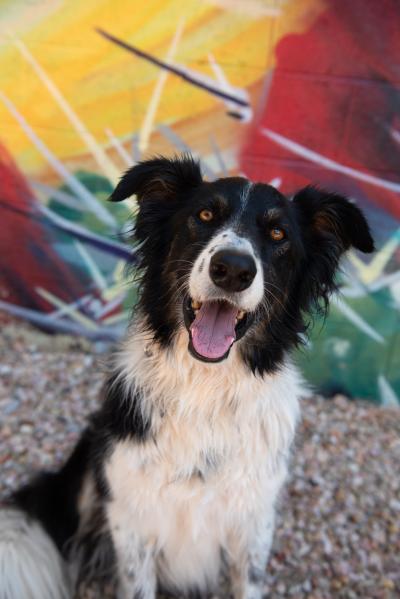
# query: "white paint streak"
[[105, 163], [332, 165], [72, 311], [389, 398], [356, 319], [276, 182], [251, 8], [152, 106], [246, 113], [93, 268], [84, 194], [119, 148], [395, 135]]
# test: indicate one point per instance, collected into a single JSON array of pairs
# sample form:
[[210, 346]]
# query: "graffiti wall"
[[284, 91]]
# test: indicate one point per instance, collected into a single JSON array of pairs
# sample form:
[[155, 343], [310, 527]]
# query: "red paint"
[[28, 258], [335, 90]]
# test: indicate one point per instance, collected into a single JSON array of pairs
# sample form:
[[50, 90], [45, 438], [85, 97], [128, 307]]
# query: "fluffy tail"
[[36, 529], [31, 567]]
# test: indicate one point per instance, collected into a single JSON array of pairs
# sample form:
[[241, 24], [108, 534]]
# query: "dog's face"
[[235, 240], [235, 261]]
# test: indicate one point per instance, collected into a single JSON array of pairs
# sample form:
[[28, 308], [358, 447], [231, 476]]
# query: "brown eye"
[[206, 216], [277, 234]]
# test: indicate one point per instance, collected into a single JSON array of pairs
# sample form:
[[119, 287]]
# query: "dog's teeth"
[[196, 305], [240, 315]]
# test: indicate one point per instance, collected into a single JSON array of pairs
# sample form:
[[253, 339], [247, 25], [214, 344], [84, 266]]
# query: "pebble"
[[11, 406], [338, 519]]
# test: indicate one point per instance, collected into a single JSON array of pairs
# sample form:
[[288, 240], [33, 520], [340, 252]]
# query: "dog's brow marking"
[[221, 201], [273, 213], [244, 196]]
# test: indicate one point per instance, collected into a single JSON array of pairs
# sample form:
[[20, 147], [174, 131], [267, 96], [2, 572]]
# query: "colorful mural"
[[284, 91]]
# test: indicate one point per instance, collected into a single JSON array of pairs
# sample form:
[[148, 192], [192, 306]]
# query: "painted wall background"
[[288, 92]]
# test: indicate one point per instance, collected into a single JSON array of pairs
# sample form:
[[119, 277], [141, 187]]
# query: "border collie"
[[173, 484]]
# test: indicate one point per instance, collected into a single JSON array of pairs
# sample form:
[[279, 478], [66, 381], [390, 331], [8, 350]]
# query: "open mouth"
[[213, 327]]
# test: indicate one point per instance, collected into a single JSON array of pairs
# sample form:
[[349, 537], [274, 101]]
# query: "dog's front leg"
[[135, 563], [248, 564]]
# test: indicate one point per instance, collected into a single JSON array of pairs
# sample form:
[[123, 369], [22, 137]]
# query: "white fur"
[[209, 476], [30, 565], [200, 490], [244, 197], [202, 288]]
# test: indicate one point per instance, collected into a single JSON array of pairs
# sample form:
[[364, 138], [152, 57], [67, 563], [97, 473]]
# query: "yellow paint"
[[103, 161], [108, 88], [368, 273], [148, 121], [73, 312]]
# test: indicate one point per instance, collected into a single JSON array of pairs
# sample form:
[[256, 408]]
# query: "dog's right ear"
[[159, 179]]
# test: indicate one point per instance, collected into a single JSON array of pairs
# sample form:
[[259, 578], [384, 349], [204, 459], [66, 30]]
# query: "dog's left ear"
[[158, 179], [329, 217]]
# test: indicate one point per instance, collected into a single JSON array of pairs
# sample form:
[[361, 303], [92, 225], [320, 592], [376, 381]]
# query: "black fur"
[[331, 224], [299, 272], [52, 497], [118, 417], [299, 275], [161, 187], [159, 179]]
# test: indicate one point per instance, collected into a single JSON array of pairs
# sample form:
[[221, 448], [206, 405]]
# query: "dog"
[[175, 480]]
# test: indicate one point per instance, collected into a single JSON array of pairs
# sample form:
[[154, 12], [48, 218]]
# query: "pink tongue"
[[213, 330]]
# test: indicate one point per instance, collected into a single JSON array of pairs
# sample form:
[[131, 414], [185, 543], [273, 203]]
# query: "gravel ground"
[[338, 531]]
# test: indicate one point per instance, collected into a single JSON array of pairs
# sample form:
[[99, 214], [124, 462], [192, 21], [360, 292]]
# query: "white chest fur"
[[213, 465]]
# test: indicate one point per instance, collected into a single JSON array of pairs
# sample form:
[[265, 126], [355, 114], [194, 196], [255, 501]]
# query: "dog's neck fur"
[[174, 385]]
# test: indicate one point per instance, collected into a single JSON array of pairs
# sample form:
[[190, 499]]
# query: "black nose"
[[232, 270]]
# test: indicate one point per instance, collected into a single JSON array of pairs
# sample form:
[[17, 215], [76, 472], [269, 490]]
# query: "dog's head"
[[235, 261]]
